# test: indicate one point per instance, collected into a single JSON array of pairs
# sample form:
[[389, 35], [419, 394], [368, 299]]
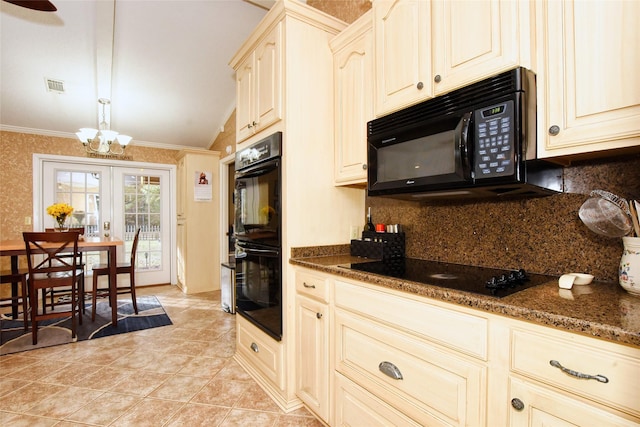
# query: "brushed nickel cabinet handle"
[[390, 370], [254, 347], [308, 286], [554, 130], [600, 378], [319, 315]]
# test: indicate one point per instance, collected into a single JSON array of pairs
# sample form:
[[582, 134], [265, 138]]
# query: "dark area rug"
[[151, 314]]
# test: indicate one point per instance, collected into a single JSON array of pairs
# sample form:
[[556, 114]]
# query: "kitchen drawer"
[[313, 285], [534, 349], [263, 352], [357, 407], [434, 386], [449, 327], [543, 406]]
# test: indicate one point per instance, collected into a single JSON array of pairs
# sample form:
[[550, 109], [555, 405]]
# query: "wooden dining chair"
[[56, 295], [51, 267], [122, 268], [9, 277]]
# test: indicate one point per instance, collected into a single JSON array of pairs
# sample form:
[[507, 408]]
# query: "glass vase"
[[61, 225], [629, 273]]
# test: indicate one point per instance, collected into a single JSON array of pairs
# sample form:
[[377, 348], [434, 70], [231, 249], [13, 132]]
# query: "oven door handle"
[[243, 251]]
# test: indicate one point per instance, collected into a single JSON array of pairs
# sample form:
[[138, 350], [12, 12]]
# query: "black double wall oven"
[[258, 242]]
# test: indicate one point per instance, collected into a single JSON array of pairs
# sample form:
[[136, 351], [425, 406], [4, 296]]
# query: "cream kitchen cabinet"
[[401, 30], [309, 198], [428, 48], [401, 359], [265, 356], [476, 39], [312, 341], [259, 86], [557, 378], [353, 93], [198, 269], [588, 93], [392, 347], [355, 406]]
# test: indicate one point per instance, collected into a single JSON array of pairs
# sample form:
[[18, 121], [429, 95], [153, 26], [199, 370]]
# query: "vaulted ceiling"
[[162, 63]]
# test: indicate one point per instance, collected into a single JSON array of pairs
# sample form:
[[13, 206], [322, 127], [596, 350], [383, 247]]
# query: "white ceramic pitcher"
[[629, 273]]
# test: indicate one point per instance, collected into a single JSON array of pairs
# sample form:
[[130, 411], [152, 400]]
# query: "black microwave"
[[478, 141]]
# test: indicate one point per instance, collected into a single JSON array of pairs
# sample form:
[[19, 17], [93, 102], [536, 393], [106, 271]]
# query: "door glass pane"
[[81, 190], [141, 195]]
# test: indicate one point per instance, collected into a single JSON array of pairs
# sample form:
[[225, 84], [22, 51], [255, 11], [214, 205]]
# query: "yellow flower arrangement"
[[267, 212], [60, 212]]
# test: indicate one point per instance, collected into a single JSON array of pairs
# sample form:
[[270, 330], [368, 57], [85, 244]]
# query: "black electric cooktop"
[[478, 280]]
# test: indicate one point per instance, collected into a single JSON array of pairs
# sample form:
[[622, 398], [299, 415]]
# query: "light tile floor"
[[178, 375]]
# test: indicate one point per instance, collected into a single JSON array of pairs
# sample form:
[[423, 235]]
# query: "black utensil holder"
[[379, 245]]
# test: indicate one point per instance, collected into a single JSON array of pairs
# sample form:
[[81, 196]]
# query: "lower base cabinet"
[[432, 385], [540, 406], [312, 358], [256, 351], [354, 406], [385, 361]]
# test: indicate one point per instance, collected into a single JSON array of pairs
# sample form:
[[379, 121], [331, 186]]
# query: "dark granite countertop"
[[601, 310]]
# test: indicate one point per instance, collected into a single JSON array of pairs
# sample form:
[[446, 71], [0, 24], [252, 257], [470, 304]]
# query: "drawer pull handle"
[[577, 374], [308, 286], [390, 370], [254, 347]]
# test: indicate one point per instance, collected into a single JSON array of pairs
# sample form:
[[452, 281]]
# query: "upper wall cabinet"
[[476, 39], [588, 85], [428, 48], [259, 87], [402, 53], [353, 97]]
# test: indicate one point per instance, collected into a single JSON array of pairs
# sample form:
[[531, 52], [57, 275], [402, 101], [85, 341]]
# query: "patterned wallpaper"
[[347, 10], [16, 174]]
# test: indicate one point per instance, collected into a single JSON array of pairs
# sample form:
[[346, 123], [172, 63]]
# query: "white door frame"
[[39, 159], [224, 206]]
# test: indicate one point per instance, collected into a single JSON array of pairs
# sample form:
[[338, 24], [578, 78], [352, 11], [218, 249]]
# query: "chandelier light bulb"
[[102, 141]]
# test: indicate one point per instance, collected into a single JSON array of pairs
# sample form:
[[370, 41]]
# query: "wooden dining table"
[[15, 248]]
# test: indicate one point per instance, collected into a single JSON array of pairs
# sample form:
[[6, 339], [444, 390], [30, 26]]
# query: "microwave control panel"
[[495, 136]]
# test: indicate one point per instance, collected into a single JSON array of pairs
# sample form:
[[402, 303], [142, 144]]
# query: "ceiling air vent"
[[55, 85]]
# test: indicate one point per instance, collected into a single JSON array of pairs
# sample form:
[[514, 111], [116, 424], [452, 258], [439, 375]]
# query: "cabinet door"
[[403, 53], [312, 355], [353, 68], [268, 79], [473, 40], [245, 121], [588, 87], [259, 87], [544, 407]]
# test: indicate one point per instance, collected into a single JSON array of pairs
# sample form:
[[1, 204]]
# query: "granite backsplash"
[[542, 235]]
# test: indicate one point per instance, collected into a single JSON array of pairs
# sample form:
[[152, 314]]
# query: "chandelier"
[[103, 140]]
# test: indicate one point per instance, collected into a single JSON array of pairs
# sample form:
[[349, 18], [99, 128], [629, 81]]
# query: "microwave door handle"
[[464, 144]]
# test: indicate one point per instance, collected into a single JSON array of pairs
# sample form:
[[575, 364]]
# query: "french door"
[[119, 198]]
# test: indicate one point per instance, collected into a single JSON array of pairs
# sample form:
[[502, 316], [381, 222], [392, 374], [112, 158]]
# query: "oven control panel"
[[262, 150]]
